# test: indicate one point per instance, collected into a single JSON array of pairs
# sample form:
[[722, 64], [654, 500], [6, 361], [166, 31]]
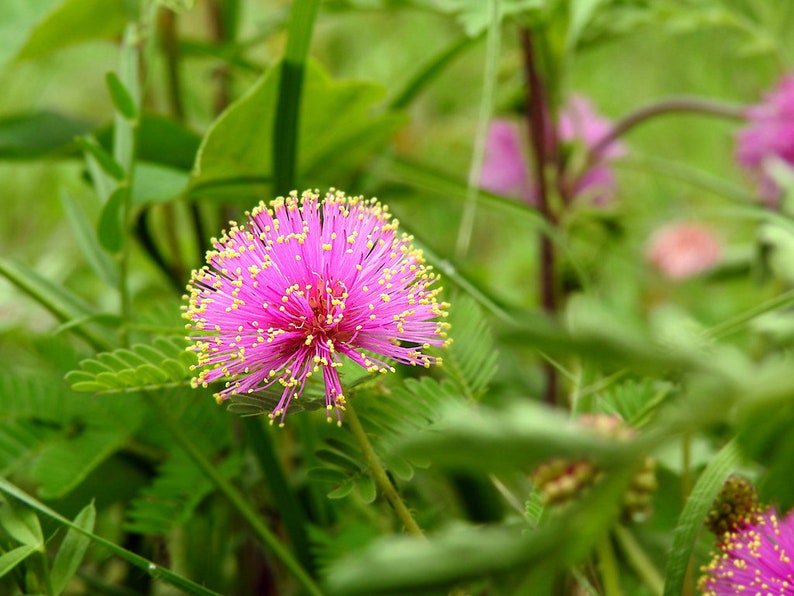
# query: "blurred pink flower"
[[754, 559], [682, 250], [769, 133], [505, 170]]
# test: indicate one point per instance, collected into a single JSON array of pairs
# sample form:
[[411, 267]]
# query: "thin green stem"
[[161, 573], [379, 475], [639, 561], [234, 496], [466, 227], [608, 566]]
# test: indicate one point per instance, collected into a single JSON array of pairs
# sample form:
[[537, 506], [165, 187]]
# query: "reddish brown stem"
[[543, 143]]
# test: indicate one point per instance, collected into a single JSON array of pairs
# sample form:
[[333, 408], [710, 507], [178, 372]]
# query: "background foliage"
[[131, 131]]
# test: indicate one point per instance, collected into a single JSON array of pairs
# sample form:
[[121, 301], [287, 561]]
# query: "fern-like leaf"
[[59, 436], [470, 361], [164, 364], [173, 496]]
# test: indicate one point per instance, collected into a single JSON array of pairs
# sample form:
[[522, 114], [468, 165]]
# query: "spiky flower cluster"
[[560, 480], [306, 281], [735, 506], [754, 558]]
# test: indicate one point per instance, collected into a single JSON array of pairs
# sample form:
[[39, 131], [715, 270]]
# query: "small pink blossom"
[[769, 134], [683, 250], [306, 281], [505, 170]]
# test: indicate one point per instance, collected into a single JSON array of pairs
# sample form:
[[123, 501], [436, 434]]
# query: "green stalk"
[[378, 473], [639, 561], [234, 496], [132, 558], [466, 227], [291, 512], [608, 566]]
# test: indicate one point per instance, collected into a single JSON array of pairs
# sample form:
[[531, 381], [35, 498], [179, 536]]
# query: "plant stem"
[[379, 475], [639, 561], [608, 566], [670, 105], [466, 227], [541, 137], [234, 496]]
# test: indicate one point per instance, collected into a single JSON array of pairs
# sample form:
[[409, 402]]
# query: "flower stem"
[[541, 137], [608, 566], [234, 496], [670, 105], [639, 561], [379, 475]]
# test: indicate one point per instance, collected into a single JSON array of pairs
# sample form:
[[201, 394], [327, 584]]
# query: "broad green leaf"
[[694, 514], [110, 229], [17, 19], [72, 549], [153, 183], [515, 438], [21, 523], [120, 96], [76, 21], [336, 130], [15, 556], [580, 14], [35, 134], [86, 237]]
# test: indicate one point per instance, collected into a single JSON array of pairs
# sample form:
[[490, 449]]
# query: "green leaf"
[[86, 237], [72, 549], [110, 230], [106, 162], [580, 14], [15, 556], [475, 15], [692, 517], [21, 523], [35, 134], [122, 370], [471, 359], [64, 305], [75, 21], [155, 183], [120, 96], [516, 438], [17, 19], [337, 130]]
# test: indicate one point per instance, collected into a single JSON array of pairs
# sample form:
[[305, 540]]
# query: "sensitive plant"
[[582, 420], [308, 282]]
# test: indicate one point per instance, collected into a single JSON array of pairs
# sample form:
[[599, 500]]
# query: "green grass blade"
[[133, 559], [691, 520]]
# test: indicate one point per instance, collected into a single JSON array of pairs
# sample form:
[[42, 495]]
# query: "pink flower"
[[769, 134], [505, 170], [756, 558], [304, 283], [682, 250]]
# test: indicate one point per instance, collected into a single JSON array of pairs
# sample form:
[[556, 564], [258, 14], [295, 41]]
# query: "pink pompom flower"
[[505, 171], [769, 134], [756, 558], [684, 249], [303, 283]]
